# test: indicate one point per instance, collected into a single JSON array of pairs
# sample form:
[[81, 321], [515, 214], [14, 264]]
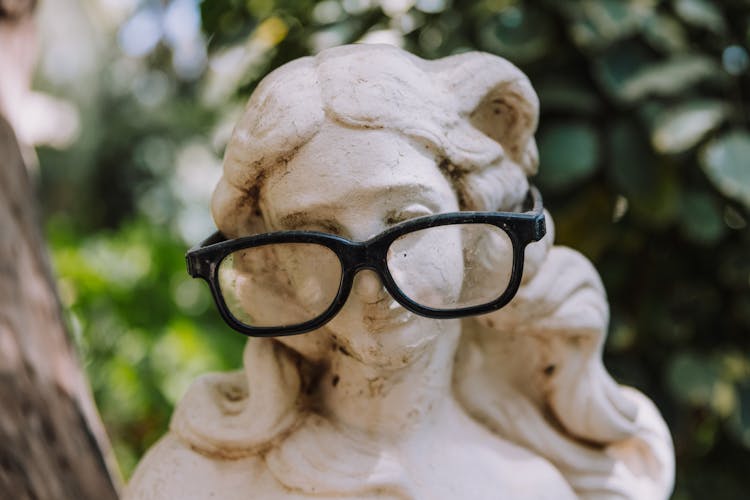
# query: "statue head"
[[360, 137], [345, 145]]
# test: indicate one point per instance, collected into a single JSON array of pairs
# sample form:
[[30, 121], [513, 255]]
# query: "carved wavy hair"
[[479, 127]]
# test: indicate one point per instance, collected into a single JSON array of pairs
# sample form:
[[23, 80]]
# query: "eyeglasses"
[[447, 265]]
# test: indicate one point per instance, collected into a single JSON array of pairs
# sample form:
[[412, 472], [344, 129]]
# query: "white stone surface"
[[381, 403]]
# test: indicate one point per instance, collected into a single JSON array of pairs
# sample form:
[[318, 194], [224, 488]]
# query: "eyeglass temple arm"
[[196, 266], [537, 211], [217, 237]]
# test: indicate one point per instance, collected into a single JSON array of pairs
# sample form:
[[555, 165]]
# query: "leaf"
[[702, 219], [651, 189], [697, 380], [739, 422], [631, 163], [691, 378], [670, 78], [664, 33], [726, 162], [595, 24], [567, 95], [521, 34], [569, 153], [619, 63], [680, 128], [702, 14], [634, 80]]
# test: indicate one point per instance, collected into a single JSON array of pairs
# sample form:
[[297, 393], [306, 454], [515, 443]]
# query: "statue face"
[[356, 183]]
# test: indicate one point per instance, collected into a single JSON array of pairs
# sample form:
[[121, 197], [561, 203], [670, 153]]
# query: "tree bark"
[[51, 439], [52, 443]]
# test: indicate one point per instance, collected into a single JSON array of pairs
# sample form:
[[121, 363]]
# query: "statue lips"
[[385, 314]]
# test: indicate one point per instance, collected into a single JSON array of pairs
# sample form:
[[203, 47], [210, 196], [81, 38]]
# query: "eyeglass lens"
[[444, 267], [277, 285], [453, 266]]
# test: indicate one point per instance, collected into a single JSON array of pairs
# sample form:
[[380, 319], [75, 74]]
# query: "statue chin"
[[381, 403], [391, 345]]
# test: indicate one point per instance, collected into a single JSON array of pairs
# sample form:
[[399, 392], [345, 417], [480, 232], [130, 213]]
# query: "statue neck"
[[391, 403]]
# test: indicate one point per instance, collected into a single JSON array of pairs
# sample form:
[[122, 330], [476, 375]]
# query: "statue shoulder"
[[221, 428], [239, 413], [172, 469]]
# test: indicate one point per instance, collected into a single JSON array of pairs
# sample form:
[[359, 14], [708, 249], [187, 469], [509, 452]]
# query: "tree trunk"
[[52, 443], [49, 448]]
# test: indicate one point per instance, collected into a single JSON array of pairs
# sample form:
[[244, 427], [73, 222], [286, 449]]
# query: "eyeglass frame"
[[203, 261]]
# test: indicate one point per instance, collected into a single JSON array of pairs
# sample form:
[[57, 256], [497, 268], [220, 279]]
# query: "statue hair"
[[385, 88]]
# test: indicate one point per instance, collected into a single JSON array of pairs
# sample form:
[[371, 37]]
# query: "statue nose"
[[368, 287]]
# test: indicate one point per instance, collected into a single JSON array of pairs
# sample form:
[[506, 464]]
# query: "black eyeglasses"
[[440, 266]]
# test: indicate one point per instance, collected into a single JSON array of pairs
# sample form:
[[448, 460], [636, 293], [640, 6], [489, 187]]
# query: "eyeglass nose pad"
[[368, 287]]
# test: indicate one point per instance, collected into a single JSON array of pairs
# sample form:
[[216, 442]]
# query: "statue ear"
[[497, 99]]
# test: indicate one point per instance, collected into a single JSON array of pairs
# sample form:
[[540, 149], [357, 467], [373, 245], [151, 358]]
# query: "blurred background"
[[645, 166]]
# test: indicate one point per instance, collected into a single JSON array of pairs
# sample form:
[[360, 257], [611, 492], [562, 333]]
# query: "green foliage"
[[146, 329], [645, 166], [562, 169], [725, 162]]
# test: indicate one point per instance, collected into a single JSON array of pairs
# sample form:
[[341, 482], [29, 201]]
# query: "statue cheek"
[[280, 284], [428, 266]]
